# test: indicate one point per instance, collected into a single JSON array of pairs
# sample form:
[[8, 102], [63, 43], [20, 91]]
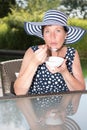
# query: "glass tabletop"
[[49, 112]]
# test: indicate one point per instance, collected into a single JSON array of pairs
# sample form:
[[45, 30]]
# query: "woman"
[[35, 77]]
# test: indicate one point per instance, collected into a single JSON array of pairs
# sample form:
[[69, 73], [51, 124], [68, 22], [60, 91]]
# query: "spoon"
[[54, 49], [50, 50]]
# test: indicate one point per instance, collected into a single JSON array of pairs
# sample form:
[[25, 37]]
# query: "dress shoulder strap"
[[34, 48]]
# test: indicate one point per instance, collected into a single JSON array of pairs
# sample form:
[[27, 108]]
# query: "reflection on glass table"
[[52, 112]]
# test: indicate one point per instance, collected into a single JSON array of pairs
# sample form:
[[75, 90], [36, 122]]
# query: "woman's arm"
[[30, 63], [25, 106], [75, 81]]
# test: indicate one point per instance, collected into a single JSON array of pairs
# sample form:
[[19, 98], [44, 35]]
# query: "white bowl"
[[54, 61]]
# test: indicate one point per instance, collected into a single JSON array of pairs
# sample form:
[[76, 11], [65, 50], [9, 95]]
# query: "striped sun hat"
[[55, 17]]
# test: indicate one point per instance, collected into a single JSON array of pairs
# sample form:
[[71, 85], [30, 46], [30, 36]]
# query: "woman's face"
[[54, 36]]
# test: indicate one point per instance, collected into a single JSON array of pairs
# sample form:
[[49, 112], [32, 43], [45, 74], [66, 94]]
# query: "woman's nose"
[[53, 37]]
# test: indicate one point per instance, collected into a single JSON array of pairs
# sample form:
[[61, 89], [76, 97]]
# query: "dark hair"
[[65, 29], [43, 30]]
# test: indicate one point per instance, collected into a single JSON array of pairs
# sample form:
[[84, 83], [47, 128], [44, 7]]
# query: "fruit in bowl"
[[54, 61]]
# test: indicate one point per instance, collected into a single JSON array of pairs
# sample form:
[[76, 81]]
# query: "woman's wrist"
[[66, 73]]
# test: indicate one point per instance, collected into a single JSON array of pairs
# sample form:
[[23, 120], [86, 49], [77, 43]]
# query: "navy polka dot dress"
[[45, 82]]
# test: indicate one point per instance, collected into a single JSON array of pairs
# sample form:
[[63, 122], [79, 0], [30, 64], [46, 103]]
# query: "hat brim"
[[70, 124], [35, 28]]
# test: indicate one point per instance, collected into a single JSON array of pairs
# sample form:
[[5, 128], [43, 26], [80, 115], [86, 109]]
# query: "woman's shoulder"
[[71, 48], [71, 52], [34, 48], [31, 49]]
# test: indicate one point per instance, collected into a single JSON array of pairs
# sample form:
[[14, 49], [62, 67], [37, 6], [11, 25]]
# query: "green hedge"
[[81, 45], [12, 34]]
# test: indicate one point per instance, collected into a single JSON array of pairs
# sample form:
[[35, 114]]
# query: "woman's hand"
[[40, 55]]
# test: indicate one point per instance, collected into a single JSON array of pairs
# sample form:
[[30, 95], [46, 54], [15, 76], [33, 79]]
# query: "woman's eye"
[[46, 31], [58, 30]]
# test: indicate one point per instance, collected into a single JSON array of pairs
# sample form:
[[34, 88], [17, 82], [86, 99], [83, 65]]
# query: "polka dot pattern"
[[45, 82], [42, 105]]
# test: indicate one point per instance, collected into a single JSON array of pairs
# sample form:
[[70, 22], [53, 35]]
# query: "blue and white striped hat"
[[54, 17]]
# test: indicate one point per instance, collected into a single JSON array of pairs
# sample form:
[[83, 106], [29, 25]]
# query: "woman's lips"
[[53, 44]]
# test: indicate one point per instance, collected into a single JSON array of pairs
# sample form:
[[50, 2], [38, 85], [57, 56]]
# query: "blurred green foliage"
[[5, 7], [81, 45], [12, 34]]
